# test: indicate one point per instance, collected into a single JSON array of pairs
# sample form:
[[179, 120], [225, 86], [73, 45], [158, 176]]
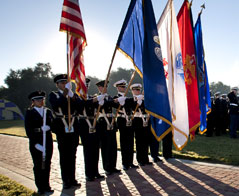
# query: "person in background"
[[211, 119], [233, 112], [38, 126], [225, 115], [218, 114]]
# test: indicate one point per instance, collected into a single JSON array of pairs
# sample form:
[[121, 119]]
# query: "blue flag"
[[203, 85], [139, 41]]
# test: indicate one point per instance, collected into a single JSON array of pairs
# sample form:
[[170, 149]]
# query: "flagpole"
[[202, 7], [171, 59], [106, 81], [130, 82], [68, 79]]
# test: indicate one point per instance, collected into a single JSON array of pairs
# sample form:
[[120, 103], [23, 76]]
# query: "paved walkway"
[[173, 177]]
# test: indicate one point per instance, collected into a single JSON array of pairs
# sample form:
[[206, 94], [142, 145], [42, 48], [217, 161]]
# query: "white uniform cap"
[[234, 88], [122, 82], [136, 86]]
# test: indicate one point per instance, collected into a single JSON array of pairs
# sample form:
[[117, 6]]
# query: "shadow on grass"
[[219, 149], [11, 124]]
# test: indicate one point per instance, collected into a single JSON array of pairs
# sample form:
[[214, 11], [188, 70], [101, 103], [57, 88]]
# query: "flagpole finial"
[[190, 4], [202, 7]]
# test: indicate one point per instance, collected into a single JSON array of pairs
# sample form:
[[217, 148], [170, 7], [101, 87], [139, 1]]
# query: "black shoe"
[[49, 190], [98, 176], [208, 135], [156, 159], [40, 192], [141, 164], [75, 183], [125, 167], [66, 185], [148, 163], [108, 173], [90, 179], [134, 166], [116, 170]]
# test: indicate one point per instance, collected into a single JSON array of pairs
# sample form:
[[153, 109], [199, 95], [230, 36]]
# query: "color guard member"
[[124, 124], [67, 135], [89, 137], [38, 125], [107, 130], [140, 126]]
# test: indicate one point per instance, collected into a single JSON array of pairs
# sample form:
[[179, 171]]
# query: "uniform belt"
[[65, 116], [37, 130], [233, 104], [138, 115], [86, 117], [123, 116], [107, 115]]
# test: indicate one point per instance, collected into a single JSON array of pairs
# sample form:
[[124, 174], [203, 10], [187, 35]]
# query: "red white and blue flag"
[[71, 22]]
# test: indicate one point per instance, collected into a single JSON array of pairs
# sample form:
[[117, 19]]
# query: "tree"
[[219, 87], [21, 83]]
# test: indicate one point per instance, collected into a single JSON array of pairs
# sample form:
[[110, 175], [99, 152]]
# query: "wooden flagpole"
[[106, 81], [68, 79], [171, 55]]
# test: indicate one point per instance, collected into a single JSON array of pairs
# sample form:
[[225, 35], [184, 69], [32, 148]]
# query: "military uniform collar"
[[39, 110], [61, 91], [120, 94]]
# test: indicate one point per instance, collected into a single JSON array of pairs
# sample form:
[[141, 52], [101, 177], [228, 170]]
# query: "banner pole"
[[106, 81], [68, 80]]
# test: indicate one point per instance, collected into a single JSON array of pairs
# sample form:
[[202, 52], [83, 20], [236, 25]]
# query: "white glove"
[[140, 97], [70, 93], [121, 100], [68, 86], [101, 102], [45, 128], [100, 97], [139, 102], [39, 147]]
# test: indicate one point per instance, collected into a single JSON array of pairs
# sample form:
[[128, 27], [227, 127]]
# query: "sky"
[[30, 34]]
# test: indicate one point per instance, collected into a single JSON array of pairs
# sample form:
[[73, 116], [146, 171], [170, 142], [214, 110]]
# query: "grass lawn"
[[217, 149], [11, 188]]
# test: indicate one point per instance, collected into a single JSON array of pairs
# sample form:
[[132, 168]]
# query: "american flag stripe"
[[73, 28], [77, 68], [71, 21], [68, 2], [70, 5], [72, 15]]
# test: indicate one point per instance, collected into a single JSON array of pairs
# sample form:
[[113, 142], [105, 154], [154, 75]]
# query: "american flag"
[[71, 22]]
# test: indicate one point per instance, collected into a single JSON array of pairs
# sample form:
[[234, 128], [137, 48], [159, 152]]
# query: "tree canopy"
[[219, 87], [21, 83]]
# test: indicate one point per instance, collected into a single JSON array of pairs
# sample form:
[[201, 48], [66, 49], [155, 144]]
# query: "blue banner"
[[140, 42], [203, 85]]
